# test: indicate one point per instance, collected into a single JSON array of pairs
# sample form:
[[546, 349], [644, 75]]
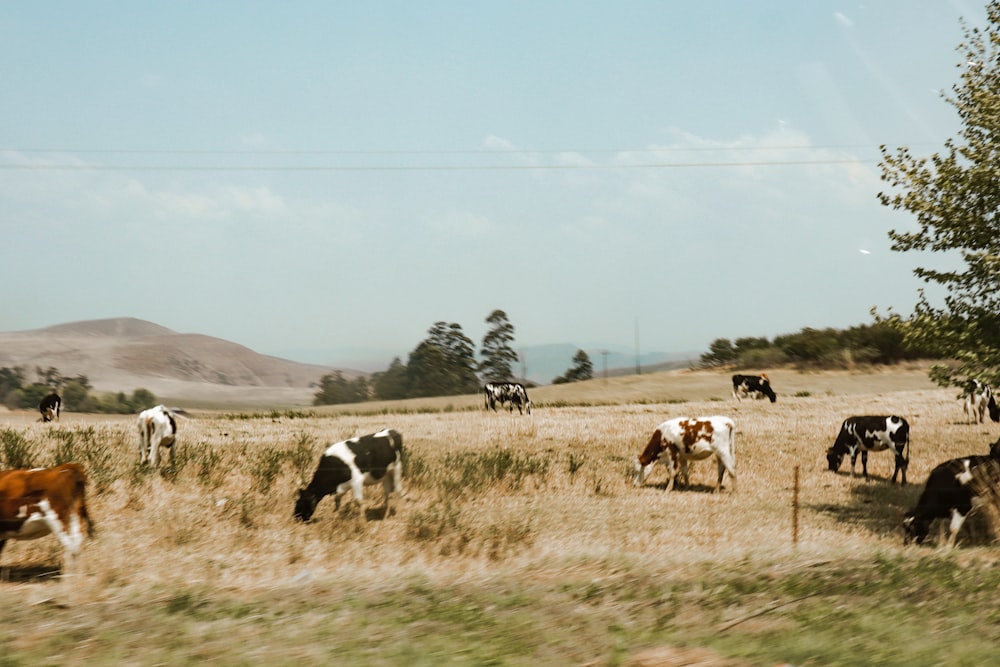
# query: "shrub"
[[16, 450]]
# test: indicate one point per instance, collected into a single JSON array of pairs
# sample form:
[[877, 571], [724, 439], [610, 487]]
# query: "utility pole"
[[638, 370], [604, 355]]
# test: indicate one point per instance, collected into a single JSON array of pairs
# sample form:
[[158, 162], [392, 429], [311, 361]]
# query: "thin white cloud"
[[843, 20]]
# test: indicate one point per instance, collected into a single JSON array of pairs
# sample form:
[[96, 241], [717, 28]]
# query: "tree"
[[458, 357], [582, 369], [497, 354], [720, 352], [335, 389], [391, 384], [955, 196], [428, 372]]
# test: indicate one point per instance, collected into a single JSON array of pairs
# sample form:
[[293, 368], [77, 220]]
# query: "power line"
[[427, 167], [471, 151]]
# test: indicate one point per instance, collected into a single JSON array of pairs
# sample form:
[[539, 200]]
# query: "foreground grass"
[[886, 610]]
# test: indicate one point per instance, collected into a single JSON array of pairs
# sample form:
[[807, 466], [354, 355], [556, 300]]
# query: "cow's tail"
[[396, 438]]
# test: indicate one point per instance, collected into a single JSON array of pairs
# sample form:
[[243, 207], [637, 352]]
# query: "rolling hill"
[[124, 354]]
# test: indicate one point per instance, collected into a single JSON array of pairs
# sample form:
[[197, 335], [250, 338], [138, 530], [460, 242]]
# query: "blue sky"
[[323, 181]]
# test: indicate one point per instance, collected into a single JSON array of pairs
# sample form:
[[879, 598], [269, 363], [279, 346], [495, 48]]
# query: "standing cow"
[[683, 440], [950, 493], [754, 386], [352, 464], [977, 399], [50, 407], [157, 428], [43, 501], [511, 393], [871, 434]]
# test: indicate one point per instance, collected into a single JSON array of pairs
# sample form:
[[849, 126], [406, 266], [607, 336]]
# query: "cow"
[[350, 465], [511, 393], [871, 434], [157, 428], [978, 398], [950, 493], [50, 407], [754, 386], [43, 501], [683, 440]]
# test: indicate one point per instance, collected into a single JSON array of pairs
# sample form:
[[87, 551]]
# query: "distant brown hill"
[[124, 354]]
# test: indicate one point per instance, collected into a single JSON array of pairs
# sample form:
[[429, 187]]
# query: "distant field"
[[521, 540]]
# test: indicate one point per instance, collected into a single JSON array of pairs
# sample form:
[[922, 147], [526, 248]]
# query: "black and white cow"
[[511, 393], [871, 434], [754, 386], [977, 399], [350, 465], [948, 494], [50, 407]]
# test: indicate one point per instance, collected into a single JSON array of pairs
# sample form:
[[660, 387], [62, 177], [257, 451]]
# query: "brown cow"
[[35, 503]]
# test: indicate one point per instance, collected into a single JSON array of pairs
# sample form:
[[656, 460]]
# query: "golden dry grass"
[[223, 527]]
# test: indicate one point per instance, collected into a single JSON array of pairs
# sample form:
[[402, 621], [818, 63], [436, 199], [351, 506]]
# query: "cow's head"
[[305, 506], [834, 458], [641, 471], [913, 530], [650, 455]]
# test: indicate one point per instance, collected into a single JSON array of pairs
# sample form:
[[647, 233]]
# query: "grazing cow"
[[754, 386], [350, 465], [871, 434], [950, 493], [978, 397], [157, 428], [50, 407], [684, 440], [511, 393], [35, 503]]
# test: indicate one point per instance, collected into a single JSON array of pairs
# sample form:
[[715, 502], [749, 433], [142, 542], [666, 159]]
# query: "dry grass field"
[[520, 541]]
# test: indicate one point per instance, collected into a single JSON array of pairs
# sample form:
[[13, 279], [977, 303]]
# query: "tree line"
[[443, 364], [883, 342], [76, 392]]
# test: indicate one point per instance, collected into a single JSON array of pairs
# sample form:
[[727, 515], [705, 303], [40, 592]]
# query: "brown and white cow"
[[35, 503], [683, 440], [157, 428]]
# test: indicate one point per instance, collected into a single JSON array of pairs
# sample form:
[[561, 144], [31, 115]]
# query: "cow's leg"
[[900, 467], [684, 475], [864, 463], [397, 478], [387, 486], [957, 519], [357, 488], [671, 471], [725, 464]]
